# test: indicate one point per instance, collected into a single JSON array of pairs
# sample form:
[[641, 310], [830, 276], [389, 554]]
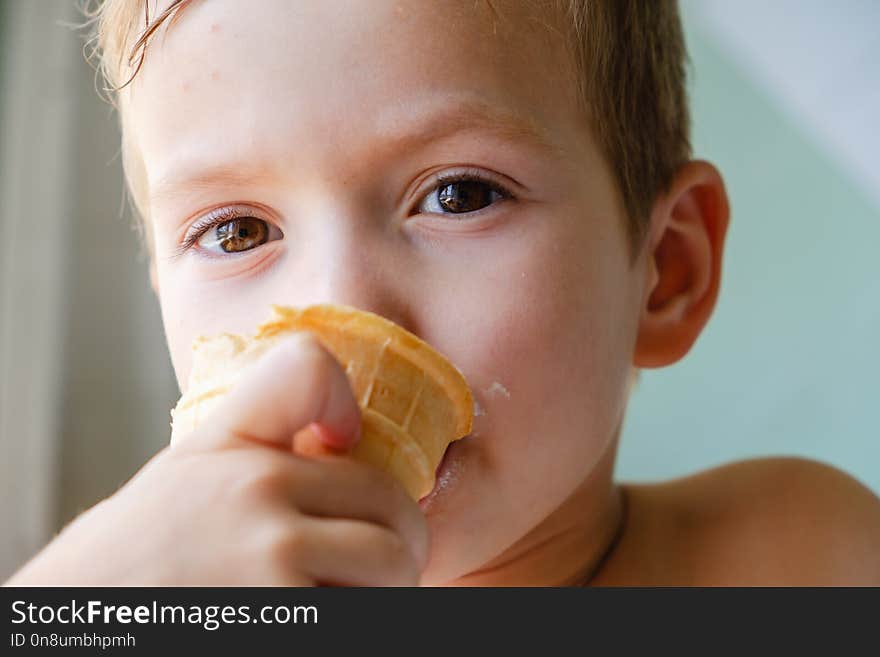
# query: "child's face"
[[328, 121]]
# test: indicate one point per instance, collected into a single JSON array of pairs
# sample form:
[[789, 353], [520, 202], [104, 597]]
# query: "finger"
[[334, 551], [295, 383], [344, 488], [315, 440]]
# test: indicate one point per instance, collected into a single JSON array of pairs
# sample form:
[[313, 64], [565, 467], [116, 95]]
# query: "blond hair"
[[629, 54]]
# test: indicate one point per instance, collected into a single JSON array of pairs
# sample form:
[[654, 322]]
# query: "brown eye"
[[240, 234], [462, 194], [465, 196]]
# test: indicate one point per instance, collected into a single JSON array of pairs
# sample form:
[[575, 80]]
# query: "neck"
[[569, 546]]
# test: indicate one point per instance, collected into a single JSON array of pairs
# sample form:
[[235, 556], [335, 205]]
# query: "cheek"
[[545, 345], [181, 315], [193, 306], [543, 330]]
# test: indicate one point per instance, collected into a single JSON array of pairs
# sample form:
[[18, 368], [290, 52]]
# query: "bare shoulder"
[[782, 521], [772, 521]]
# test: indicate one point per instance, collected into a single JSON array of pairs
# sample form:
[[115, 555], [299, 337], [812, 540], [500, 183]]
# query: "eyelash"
[[222, 215], [206, 223]]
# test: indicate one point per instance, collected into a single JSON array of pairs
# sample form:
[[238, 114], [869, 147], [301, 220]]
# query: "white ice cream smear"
[[497, 389]]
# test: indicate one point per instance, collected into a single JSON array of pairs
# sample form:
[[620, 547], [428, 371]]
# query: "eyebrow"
[[474, 115]]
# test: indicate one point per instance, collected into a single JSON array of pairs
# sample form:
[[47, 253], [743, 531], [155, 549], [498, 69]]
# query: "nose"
[[360, 266]]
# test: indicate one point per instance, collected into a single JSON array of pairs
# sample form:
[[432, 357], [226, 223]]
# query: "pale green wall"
[[789, 362]]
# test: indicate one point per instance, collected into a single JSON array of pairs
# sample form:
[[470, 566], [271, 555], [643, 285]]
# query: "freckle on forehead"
[[215, 27]]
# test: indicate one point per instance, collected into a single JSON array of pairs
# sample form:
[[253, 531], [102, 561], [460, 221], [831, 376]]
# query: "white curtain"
[[85, 382]]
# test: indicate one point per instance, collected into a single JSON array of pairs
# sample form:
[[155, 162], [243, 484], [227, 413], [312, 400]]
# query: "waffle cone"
[[413, 401]]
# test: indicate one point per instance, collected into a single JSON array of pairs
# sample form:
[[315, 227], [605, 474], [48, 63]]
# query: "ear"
[[683, 273]]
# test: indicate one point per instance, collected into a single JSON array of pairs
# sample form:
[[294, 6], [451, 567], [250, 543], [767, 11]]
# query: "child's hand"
[[231, 504]]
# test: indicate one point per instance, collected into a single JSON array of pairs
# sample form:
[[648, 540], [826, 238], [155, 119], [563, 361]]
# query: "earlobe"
[[684, 252]]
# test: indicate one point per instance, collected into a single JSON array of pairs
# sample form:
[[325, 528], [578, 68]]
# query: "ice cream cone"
[[413, 401]]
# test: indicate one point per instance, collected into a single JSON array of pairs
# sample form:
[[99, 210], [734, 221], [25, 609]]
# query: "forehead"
[[296, 81]]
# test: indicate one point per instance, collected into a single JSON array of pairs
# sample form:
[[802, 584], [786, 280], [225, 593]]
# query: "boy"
[[512, 182]]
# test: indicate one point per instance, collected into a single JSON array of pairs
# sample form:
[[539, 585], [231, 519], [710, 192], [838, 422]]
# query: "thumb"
[[295, 385]]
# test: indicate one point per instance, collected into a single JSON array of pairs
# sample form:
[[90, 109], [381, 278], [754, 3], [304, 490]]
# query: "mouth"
[[447, 475]]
